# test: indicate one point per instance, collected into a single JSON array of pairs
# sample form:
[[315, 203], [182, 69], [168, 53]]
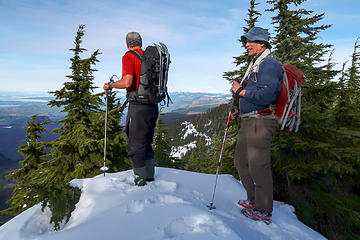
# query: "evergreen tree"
[[347, 119], [319, 161], [200, 160], [161, 145], [353, 82], [227, 158], [227, 165], [310, 167], [26, 190], [77, 153], [205, 157], [346, 114], [243, 60]]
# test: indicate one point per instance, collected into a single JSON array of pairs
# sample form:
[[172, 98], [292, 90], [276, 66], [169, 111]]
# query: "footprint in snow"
[[195, 224], [137, 206], [166, 186]]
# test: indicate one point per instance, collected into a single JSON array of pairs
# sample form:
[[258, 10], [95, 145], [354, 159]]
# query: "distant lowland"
[[16, 108]]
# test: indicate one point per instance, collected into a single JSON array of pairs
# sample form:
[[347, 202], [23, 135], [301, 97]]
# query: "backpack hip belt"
[[266, 113]]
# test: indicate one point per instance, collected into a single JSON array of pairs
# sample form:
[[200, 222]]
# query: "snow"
[[172, 207], [208, 124], [191, 130], [180, 151]]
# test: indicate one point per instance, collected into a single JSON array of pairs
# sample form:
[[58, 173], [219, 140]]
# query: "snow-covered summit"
[[171, 207]]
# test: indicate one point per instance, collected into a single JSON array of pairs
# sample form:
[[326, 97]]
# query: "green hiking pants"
[[253, 160]]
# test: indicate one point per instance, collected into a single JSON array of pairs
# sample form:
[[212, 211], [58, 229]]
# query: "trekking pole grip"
[[111, 81]]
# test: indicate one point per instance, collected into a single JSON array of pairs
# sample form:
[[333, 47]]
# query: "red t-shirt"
[[132, 65]]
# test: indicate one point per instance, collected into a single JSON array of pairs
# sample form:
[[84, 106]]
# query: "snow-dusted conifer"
[[27, 185]]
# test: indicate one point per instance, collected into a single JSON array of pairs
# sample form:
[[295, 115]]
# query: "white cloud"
[[201, 36]]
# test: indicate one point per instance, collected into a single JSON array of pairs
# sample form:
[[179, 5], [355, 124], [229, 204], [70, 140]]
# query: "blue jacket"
[[263, 90]]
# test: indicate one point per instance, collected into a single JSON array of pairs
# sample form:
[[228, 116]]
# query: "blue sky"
[[202, 37]]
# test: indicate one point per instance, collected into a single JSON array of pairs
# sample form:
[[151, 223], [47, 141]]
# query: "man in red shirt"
[[141, 118]]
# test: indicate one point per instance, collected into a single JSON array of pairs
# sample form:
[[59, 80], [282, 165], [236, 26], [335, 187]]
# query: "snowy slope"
[[172, 207], [188, 130]]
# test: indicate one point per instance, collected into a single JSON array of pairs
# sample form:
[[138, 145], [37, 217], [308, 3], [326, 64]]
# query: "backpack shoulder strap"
[[264, 55], [254, 66], [138, 55]]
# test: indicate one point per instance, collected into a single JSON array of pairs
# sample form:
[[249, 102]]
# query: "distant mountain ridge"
[[24, 105]]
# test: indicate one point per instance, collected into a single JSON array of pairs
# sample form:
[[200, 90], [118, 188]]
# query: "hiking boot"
[[150, 170], [246, 204], [256, 215], [140, 176]]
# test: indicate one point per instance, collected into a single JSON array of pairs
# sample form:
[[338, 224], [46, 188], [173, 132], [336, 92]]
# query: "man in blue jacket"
[[254, 98]]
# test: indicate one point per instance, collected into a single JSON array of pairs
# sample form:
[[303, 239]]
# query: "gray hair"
[[133, 39]]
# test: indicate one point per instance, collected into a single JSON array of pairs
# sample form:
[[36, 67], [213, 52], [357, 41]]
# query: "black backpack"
[[152, 87]]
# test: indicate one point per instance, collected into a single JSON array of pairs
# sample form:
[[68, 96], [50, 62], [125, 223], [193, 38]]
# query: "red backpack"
[[287, 108]]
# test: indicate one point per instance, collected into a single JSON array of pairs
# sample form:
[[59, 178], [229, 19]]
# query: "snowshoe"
[[245, 204], [256, 215]]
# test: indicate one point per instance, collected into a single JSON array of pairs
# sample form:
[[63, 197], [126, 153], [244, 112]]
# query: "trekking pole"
[[105, 168], [211, 205]]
